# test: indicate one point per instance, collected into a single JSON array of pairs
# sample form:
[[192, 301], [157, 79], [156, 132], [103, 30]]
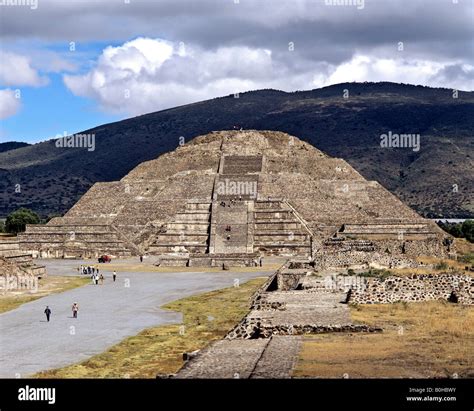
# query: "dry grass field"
[[420, 340]]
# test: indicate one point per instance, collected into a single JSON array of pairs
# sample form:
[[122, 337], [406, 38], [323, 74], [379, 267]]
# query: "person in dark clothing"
[[141, 259], [114, 275], [75, 309], [47, 312]]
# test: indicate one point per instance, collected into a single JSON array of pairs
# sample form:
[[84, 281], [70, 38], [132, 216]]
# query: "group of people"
[[75, 309], [96, 278], [88, 269], [230, 203]]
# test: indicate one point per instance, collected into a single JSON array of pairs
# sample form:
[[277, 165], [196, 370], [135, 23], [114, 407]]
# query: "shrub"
[[381, 274], [441, 266], [467, 229], [17, 220], [467, 258]]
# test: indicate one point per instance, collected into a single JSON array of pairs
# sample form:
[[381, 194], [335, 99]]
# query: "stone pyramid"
[[233, 196]]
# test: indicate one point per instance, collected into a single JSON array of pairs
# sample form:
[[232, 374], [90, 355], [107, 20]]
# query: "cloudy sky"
[[69, 65]]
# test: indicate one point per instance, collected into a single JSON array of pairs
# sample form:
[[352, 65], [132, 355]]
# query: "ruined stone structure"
[[18, 262], [15, 277], [230, 196], [266, 343], [455, 288], [295, 301]]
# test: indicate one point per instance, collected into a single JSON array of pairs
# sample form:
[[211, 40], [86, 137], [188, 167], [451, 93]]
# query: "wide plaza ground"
[[108, 313]]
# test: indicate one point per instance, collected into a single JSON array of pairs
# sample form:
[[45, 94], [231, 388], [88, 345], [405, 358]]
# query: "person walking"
[[114, 275], [47, 311], [261, 261], [75, 309], [101, 278], [141, 259]]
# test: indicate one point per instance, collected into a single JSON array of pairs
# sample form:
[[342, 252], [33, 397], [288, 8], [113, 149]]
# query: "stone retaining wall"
[[252, 328], [362, 259], [425, 287]]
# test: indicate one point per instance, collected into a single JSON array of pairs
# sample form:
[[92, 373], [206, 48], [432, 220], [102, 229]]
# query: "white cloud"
[[9, 103], [146, 74], [458, 76], [365, 68], [413, 71], [48, 61], [16, 70]]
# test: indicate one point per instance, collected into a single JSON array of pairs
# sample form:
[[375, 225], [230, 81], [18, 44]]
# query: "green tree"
[[467, 229], [17, 220], [455, 230]]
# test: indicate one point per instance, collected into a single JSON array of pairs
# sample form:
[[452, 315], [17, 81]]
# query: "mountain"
[[11, 145], [436, 180]]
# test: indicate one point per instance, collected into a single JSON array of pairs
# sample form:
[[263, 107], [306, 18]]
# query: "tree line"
[[459, 230]]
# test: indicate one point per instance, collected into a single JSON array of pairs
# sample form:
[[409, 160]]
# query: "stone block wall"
[[451, 287], [361, 259]]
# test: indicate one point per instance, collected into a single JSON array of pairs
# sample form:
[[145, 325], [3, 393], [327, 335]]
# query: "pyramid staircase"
[[187, 232], [280, 230], [230, 233]]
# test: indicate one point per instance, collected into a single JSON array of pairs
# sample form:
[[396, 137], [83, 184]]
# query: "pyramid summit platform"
[[233, 196]]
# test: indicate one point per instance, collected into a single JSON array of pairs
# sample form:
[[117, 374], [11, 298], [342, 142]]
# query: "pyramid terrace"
[[230, 197]]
